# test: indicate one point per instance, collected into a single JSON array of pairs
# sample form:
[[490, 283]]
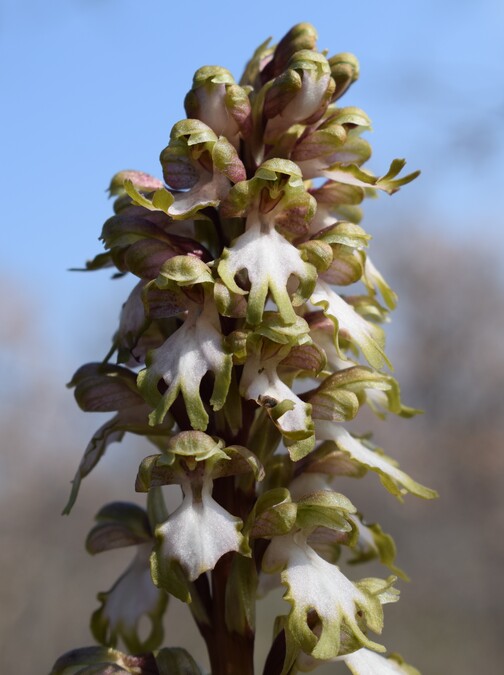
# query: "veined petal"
[[365, 335], [199, 532]]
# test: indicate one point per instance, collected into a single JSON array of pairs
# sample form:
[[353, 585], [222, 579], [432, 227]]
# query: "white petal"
[[366, 662], [367, 336], [329, 431], [199, 532], [258, 386], [270, 260], [134, 594]]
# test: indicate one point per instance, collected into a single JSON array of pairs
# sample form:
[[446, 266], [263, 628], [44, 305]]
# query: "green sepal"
[[302, 36], [273, 515], [185, 450], [344, 71], [264, 438], [349, 117], [338, 405], [156, 508], [325, 509], [230, 417], [346, 391], [346, 268], [373, 279], [184, 270], [192, 132], [369, 308], [118, 524], [176, 661], [230, 302], [302, 446], [163, 302], [252, 69], [318, 253], [345, 234], [323, 141], [327, 459], [273, 328], [281, 92], [236, 344]]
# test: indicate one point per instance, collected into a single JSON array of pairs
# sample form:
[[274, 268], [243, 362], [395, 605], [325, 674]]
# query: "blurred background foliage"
[[92, 87]]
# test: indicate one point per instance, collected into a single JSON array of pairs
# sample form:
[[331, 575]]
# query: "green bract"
[[252, 334]]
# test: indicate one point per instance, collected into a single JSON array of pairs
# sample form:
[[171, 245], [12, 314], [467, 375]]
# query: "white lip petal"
[[397, 481], [270, 260], [183, 360], [367, 336], [199, 532], [314, 584], [134, 594]]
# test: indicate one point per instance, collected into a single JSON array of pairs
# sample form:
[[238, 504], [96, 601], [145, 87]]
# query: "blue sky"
[[90, 87]]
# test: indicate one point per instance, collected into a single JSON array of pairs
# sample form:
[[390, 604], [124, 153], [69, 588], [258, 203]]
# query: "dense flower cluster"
[[252, 335]]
